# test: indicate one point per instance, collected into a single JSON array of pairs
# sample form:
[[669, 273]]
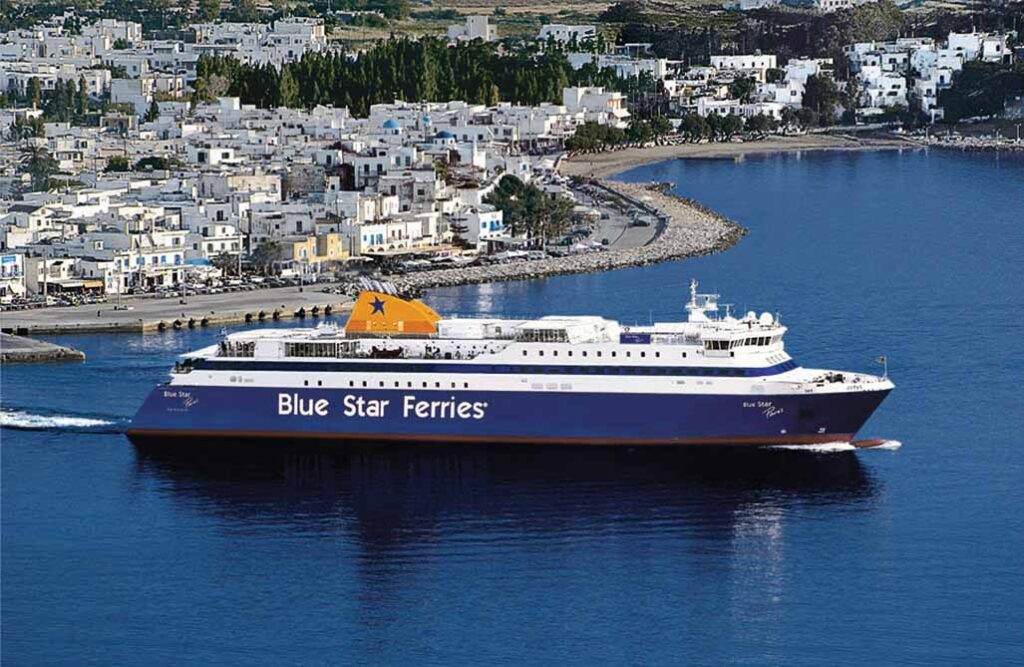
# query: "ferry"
[[399, 372]]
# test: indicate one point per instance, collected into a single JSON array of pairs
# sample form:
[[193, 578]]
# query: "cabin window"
[[351, 383], [311, 349], [319, 383], [643, 354], [584, 353], [615, 354], [541, 353], [305, 382], [657, 355], [599, 353], [364, 383]]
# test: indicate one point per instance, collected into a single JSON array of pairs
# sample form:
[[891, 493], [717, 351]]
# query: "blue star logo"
[[378, 306]]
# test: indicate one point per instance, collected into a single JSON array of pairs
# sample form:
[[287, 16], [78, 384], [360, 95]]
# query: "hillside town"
[[130, 168]]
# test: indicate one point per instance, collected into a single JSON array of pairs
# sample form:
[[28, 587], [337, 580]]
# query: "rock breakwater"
[[687, 229]]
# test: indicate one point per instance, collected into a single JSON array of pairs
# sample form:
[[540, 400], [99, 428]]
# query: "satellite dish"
[[751, 316], [766, 319]]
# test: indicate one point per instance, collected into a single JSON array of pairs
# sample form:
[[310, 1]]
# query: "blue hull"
[[367, 415]]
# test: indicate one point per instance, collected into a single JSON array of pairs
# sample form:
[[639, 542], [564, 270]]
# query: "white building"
[[475, 27], [566, 34]]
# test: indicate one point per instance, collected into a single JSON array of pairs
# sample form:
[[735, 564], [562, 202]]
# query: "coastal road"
[[146, 313]]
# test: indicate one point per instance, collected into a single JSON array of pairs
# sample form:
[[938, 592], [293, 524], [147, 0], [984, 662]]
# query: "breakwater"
[[153, 315], [16, 349], [686, 229]]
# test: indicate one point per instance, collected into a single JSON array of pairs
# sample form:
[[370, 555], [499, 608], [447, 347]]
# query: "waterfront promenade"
[[685, 229], [151, 314]]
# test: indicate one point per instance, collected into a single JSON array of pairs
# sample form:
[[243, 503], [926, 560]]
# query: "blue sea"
[[440, 556]]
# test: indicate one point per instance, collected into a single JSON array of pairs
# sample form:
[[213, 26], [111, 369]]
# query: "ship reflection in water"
[[396, 497]]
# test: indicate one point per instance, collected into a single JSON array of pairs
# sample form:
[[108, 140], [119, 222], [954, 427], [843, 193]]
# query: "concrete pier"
[[16, 349], [151, 314]]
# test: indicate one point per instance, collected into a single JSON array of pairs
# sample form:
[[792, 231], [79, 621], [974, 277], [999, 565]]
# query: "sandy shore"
[[608, 164]]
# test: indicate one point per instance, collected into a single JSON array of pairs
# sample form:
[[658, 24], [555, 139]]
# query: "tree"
[[265, 255], [287, 88], [117, 163], [743, 89], [762, 125], [226, 262], [34, 92], [822, 96], [40, 165], [82, 102], [731, 126], [157, 163], [245, 11], [208, 11], [694, 128], [153, 112]]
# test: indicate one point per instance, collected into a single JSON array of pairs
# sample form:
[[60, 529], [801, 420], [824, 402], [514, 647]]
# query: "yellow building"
[[319, 249]]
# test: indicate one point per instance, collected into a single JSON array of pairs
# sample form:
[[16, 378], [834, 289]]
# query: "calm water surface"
[[441, 556]]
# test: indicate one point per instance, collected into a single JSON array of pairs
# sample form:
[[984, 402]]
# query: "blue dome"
[[445, 134], [392, 124], [426, 120]]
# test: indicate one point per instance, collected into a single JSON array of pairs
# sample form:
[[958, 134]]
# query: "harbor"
[[146, 315]]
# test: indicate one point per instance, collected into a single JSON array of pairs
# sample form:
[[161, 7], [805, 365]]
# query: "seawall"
[[686, 229]]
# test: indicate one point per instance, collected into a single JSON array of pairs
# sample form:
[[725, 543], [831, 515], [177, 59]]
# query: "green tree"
[[265, 255], [82, 102], [153, 112], [208, 11], [743, 89], [694, 128], [117, 163], [40, 165], [287, 88], [731, 126], [245, 11], [34, 92], [822, 96]]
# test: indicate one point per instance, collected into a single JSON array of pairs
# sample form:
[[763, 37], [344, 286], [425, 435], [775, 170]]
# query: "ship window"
[[570, 353], [382, 384], [615, 354], [424, 385], [541, 353], [437, 385], [584, 353], [658, 355], [643, 354], [319, 383], [524, 353], [351, 383], [555, 353], [306, 382], [396, 384], [409, 385], [465, 385], [629, 354], [364, 383]]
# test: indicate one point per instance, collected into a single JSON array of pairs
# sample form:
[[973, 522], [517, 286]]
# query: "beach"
[[609, 163]]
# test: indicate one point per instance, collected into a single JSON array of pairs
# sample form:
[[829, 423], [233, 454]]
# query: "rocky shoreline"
[[688, 229]]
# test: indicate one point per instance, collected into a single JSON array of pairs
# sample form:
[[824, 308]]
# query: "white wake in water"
[[889, 444], [27, 420], [819, 448]]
